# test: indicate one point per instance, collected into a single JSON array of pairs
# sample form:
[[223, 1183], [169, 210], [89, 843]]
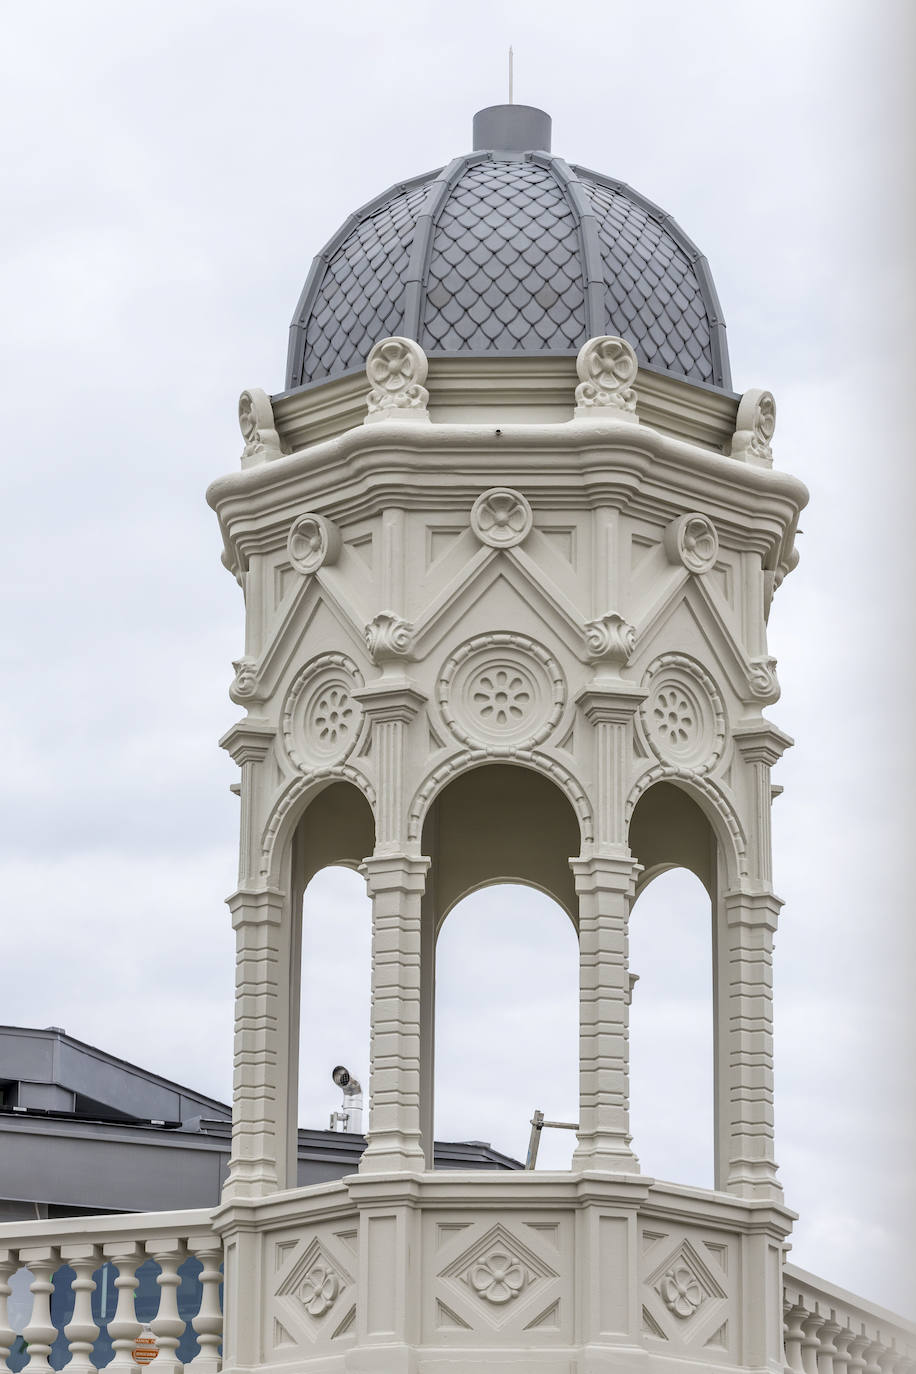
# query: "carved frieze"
[[607, 368], [313, 540], [693, 541], [321, 717], [501, 689], [501, 517], [396, 369], [683, 716]]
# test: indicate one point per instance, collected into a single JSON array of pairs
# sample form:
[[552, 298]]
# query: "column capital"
[[611, 702], [249, 740], [758, 908], [396, 871], [606, 872], [760, 741], [391, 698], [263, 905]]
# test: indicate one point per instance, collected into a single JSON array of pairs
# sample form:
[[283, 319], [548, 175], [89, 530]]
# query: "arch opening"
[[673, 935], [507, 1022]]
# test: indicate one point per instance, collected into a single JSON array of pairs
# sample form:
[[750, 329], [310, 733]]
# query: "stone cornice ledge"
[[600, 457]]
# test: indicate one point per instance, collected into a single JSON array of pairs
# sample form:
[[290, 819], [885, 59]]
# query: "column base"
[[393, 1153]]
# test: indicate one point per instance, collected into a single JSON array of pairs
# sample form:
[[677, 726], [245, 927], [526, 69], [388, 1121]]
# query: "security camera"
[[345, 1080]]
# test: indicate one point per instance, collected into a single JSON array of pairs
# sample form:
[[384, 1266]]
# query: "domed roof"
[[509, 251]]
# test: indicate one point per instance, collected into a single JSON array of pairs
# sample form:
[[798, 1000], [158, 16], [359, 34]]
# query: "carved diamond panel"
[[495, 1280], [686, 1289], [314, 1298]]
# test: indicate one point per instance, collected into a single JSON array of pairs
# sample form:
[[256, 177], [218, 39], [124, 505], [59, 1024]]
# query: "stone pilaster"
[[761, 745], [745, 1162], [391, 702], [610, 705], [396, 883], [605, 887], [258, 1164]]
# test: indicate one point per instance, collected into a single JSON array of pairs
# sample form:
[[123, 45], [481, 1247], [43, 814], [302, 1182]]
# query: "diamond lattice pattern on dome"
[[504, 273]]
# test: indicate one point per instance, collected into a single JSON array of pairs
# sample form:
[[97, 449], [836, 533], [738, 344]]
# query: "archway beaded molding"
[[691, 781], [525, 758], [294, 791]]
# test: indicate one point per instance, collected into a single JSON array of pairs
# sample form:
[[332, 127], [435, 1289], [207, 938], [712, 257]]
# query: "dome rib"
[[503, 254]]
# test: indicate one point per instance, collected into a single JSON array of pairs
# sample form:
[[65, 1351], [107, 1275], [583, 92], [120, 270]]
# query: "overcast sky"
[[171, 170]]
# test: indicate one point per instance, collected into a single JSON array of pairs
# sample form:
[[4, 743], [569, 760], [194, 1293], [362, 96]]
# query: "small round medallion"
[[501, 517], [313, 540]]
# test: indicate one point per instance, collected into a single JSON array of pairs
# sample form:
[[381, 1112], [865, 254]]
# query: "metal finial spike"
[[511, 72]]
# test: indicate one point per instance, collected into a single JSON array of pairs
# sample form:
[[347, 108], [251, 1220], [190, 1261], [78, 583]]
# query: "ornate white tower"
[[506, 610]]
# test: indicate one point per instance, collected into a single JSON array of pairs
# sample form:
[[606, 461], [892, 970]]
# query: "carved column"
[[258, 1164], [81, 1331], [41, 1333], [123, 1328], [605, 888], [168, 1327], [745, 1162], [9, 1263]]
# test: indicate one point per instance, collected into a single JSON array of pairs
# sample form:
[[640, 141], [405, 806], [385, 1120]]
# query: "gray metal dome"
[[508, 250]]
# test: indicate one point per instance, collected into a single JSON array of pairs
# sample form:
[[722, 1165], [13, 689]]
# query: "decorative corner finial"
[[256, 421], [607, 368], [754, 428], [397, 369]]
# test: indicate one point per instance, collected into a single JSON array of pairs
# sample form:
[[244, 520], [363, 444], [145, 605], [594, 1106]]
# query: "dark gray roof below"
[[509, 253]]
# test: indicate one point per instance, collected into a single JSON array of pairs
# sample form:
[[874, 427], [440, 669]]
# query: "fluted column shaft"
[[605, 889]]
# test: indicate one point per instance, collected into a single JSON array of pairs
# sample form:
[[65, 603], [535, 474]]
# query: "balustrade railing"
[[829, 1331], [160, 1268]]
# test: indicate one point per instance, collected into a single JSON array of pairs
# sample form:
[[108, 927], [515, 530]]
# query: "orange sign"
[[146, 1347]]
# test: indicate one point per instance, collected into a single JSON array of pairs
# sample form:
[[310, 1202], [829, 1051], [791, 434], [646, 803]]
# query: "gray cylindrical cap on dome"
[[512, 129]]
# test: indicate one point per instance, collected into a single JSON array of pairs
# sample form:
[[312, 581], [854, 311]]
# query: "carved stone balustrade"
[[830, 1331], [62, 1329]]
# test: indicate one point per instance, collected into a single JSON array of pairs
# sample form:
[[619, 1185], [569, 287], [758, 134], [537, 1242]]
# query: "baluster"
[[127, 1256], [168, 1326], [209, 1320], [827, 1348], [873, 1353], [794, 1318], [857, 1347], [842, 1343], [810, 1344], [81, 1331], [9, 1263], [41, 1333]]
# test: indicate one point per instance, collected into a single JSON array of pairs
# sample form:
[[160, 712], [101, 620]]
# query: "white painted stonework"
[[505, 619]]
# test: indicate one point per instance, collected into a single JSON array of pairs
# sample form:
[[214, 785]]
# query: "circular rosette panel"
[[321, 717], [501, 690], [683, 716]]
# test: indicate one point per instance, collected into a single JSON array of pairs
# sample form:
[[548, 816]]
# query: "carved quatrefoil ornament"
[[501, 517], [322, 720], [396, 369], [607, 368], [313, 540], [682, 715], [501, 690]]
